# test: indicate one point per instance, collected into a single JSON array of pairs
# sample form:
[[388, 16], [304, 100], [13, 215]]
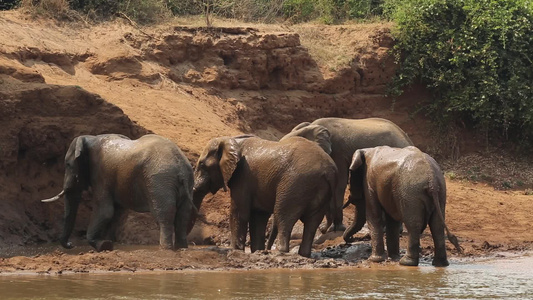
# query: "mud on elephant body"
[[149, 174], [293, 179], [344, 138], [406, 185]]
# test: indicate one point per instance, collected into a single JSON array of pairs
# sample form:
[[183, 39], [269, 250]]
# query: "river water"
[[510, 278]]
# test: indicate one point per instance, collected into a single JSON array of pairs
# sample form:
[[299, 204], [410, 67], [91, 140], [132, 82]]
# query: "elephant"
[[293, 180], [147, 174], [406, 185], [345, 137]]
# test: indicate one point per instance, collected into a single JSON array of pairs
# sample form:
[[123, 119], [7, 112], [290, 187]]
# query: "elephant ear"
[[357, 175], [301, 125], [81, 155], [322, 137], [229, 152], [80, 147], [358, 159]]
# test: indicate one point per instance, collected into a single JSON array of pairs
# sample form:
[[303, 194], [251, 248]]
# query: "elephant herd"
[[301, 177]]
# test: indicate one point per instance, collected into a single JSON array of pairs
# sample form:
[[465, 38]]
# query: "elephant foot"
[[67, 245], [180, 244], [105, 245], [409, 261], [349, 239], [377, 258], [395, 257], [440, 262]]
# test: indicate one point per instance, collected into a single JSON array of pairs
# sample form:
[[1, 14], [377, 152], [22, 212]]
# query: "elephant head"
[[75, 182], [215, 167], [315, 133], [357, 194]]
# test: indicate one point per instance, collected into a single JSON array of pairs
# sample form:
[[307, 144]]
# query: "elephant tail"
[[434, 193]]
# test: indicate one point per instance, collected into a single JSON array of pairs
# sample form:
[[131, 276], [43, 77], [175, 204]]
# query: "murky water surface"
[[508, 278]]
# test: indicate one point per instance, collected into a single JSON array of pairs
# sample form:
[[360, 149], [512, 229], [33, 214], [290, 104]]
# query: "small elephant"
[[408, 186], [293, 179], [147, 174], [345, 137]]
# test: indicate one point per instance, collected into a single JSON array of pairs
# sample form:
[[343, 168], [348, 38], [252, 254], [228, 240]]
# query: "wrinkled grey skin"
[[347, 136], [149, 174], [293, 180], [408, 186]]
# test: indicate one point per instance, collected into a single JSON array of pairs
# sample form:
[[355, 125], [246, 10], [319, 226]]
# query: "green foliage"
[[150, 11], [357, 9], [476, 56], [8, 4], [331, 11], [300, 10]]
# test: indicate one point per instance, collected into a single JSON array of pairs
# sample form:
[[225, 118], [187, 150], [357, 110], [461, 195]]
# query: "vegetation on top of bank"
[[476, 56], [266, 11]]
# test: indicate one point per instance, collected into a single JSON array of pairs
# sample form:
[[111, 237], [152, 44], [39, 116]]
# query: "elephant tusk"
[[54, 198]]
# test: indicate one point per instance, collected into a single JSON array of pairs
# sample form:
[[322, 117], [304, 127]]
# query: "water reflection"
[[510, 278]]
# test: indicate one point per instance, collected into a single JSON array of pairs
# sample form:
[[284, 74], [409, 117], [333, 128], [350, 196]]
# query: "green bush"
[[8, 4], [476, 56], [357, 9], [331, 11]]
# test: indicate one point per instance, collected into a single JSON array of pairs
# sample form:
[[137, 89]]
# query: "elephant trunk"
[[72, 201], [359, 222], [197, 198]]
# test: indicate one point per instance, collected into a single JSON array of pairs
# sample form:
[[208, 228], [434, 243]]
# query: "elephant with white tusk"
[[149, 174]]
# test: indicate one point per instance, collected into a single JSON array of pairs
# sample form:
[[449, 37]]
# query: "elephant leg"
[[100, 220], [258, 223], [181, 222], [375, 225], [118, 219], [393, 237], [412, 256], [339, 197], [311, 224], [437, 232], [273, 235], [414, 214], [239, 218], [285, 225], [163, 207]]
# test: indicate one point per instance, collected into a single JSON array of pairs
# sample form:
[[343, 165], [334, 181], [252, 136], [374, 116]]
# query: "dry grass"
[[329, 55], [52, 9], [334, 47], [501, 170], [199, 21], [49, 7]]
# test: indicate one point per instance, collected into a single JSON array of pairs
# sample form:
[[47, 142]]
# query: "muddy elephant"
[[150, 174], [406, 185], [346, 136], [293, 180]]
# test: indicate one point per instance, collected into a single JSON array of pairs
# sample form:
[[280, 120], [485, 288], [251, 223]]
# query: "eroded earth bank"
[[190, 84]]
